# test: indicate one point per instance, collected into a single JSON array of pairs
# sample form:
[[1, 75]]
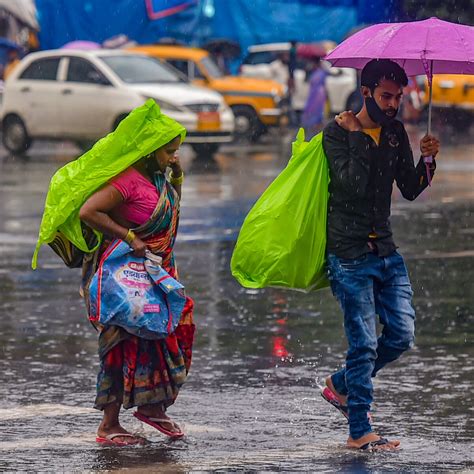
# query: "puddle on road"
[[252, 400]]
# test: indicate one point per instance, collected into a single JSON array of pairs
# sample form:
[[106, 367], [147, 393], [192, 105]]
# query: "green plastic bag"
[[144, 130], [282, 241]]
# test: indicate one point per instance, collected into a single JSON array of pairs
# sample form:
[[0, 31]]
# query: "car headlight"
[[165, 105]]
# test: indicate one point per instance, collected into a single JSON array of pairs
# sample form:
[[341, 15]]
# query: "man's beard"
[[378, 115]]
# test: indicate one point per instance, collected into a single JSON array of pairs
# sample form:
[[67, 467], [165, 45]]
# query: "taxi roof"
[[172, 51]]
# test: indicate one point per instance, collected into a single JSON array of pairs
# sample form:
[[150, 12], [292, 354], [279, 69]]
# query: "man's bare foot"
[[342, 398], [373, 442], [155, 412], [106, 430]]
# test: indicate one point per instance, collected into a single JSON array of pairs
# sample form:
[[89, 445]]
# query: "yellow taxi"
[[256, 103], [456, 92]]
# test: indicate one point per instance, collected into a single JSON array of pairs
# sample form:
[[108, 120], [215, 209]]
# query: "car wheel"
[[354, 102], [204, 150], [15, 136], [247, 124]]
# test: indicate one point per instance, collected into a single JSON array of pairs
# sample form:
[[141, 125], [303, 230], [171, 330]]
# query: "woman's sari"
[[136, 371]]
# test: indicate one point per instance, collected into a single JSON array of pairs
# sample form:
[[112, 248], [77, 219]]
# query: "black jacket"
[[362, 175]]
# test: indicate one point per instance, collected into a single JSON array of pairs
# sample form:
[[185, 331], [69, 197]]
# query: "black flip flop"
[[373, 445]]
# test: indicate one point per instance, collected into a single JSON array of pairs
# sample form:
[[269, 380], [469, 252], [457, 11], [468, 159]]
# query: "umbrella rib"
[[425, 49]]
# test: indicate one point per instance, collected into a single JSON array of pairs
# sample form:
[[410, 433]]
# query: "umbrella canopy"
[[84, 45], [427, 47], [311, 50]]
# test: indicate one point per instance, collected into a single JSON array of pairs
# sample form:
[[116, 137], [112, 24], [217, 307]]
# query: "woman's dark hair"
[[378, 69], [151, 165]]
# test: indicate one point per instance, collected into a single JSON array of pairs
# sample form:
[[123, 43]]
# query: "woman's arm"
[[96, 211]]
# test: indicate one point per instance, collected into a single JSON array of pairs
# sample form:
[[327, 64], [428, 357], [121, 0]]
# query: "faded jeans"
[[365, 287]]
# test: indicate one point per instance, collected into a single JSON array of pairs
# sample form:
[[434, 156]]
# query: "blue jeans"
[[365, 287]]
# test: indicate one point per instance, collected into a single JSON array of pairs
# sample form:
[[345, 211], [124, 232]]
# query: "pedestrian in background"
[[366, 153], [312, 118]]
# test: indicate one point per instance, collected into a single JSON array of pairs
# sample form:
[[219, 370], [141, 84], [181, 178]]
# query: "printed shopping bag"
[[135, 293]]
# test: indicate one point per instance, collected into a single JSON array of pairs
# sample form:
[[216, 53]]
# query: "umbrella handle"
[[428, 160]]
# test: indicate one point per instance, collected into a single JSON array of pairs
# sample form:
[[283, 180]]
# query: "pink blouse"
[[140, 196]]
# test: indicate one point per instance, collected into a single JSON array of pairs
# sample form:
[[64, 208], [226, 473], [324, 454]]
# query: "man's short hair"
[[378, 69]]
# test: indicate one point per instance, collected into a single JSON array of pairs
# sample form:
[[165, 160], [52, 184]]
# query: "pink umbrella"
[[311, 50], [83, 45], [426, 47]]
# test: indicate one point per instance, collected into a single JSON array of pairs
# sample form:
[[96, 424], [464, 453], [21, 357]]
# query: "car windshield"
[[211, 67], [140, 69]]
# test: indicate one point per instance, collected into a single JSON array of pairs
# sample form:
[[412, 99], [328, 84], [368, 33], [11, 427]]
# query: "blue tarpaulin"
[[197, 21], [269, 21], [62, 21]]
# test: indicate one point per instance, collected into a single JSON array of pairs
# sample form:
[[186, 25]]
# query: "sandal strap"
[[164, 420], [373, 444], [111, 436]]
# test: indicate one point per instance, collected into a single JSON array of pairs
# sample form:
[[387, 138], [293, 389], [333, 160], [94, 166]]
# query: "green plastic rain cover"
[[282, 241], [144, 130]]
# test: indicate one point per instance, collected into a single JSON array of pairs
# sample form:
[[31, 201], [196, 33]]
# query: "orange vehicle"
[[256, 103], [455, 94]]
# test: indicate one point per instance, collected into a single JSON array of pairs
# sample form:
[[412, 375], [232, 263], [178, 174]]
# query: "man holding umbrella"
[[367, 152]]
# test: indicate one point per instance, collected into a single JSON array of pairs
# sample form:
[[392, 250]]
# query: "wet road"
[[252, 400]]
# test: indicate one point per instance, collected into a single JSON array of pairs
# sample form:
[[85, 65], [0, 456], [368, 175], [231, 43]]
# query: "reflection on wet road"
[[252, 400]]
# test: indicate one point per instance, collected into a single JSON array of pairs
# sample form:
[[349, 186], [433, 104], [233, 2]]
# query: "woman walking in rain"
[[136, 203], [135, 371]]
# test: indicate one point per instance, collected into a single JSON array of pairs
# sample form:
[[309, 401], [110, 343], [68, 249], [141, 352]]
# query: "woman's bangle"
[[130, 237], [176, 180]]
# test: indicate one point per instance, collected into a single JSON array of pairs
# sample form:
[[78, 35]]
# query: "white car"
[[341, 83], [83, 95]]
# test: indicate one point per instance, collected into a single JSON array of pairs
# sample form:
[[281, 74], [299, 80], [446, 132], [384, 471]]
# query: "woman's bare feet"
[[107, 430], [155, 411], [110, 426], [373, 442]]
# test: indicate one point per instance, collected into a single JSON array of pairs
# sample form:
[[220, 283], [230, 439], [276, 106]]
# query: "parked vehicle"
[[255, 102], [83, 95], [453, 95], [341, 83]]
